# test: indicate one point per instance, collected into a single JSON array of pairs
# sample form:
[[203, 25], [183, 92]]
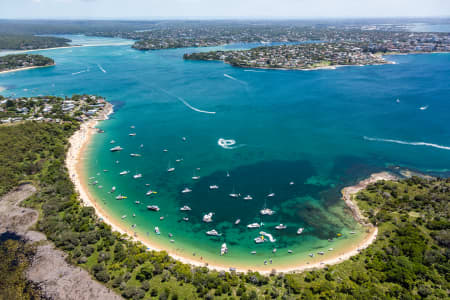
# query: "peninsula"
[[17, 62]]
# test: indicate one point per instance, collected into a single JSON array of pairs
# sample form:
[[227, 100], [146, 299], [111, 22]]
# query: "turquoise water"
[[322, 130]]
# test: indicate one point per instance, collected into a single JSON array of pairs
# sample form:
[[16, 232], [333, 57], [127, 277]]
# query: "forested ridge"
[[409, 260], [29, 42]]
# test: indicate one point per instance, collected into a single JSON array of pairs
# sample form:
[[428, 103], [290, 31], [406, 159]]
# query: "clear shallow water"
[[305, 127]]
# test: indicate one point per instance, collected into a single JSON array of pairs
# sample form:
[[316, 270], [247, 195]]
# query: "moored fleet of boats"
[[208, 217]]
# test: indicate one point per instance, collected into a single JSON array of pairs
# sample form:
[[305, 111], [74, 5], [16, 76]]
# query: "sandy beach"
[[27, 68], [74, 162]]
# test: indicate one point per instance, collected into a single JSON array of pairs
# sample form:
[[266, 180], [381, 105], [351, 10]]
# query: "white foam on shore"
[[235, 79], [101, 68], [228, 144], [254, 71], [187, 104], [407, 143]]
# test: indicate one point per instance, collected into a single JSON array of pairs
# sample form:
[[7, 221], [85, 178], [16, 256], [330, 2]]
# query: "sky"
[[148, 9]]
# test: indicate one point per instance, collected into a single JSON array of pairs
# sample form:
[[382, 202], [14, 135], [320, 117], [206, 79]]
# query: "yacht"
[[153, 207], [124, 172], [137, 176], [300, 230], [208, 217], [185, 208], [186, 190], [253, 225], [115, 149], [195, 177], [259, 239], [248, 197], [157, 230], [271, 195], [213, 233], [132, 134], [213, 187], [280, 227], [267, 211], [237, 221], [135, 155], [120, 197], [223, 249]]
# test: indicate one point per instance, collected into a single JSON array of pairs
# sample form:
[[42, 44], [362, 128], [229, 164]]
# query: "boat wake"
[[407, 143], [80, 72], [229, 144], [187, 104], [101, 68], [235, 79]]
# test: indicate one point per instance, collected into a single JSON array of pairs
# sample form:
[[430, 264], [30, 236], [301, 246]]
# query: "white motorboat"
[[208, 217], [248, 197], [132, 134], [137, 176], [271, 195], [185, 208], [280, 227], [153, 207], [213, 187], [124, 172], [253, 225], [300, 230], [267, 211], [237, 221], [115, 149], [223, 249], [186, 190], [157, 230], [213, 233]]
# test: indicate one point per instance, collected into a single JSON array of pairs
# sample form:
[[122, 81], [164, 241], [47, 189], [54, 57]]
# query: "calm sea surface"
[[320, 130]]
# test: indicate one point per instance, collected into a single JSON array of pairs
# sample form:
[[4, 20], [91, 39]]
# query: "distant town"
[[326, 55], [50, 108]]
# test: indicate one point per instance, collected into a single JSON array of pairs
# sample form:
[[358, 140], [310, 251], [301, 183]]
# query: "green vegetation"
[[15, 257], [17, 61], [409, 260], [29, 42]]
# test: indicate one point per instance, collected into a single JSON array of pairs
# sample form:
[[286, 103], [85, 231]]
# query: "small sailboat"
[[228, 174], [233, 194], [186, 190], [178, 160], [423, 107], [170, 169], [271, 195], [195, 177]]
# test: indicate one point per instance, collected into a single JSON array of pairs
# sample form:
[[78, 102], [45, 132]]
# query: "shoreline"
[[26, 68], [74, 163]]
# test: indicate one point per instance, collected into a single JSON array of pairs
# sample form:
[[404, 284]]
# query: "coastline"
[[74, 163], [26, 68]]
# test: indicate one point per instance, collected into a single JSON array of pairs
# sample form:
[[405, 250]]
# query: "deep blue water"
[[320, 129]]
